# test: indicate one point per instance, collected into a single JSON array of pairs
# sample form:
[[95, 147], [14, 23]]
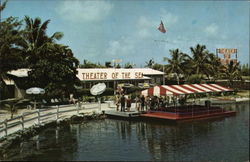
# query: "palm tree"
[[199, 61], [150, 63], [12, 105], [35, 40], [128, 65], [232, 72], [214, 66], [176, 63]]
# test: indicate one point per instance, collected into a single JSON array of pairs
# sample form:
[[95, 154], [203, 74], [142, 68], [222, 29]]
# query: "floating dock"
[[181, 117], [119, 114]]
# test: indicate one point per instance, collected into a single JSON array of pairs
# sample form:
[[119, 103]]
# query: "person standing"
[[117, 102], [128, 104], [137, 103], [142, 102], [123, 100], [147, 103]]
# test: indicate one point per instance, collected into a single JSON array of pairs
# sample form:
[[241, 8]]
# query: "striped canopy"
[[163, 90]]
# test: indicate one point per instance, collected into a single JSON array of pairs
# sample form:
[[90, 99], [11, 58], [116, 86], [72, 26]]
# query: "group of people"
[[144, 103], [141, 103], [150, 102], [125, 103]]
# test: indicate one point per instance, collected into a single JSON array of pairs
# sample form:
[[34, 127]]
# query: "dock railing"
[[42, 116]]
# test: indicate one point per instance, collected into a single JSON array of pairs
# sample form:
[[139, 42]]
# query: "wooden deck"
[[118, 114]]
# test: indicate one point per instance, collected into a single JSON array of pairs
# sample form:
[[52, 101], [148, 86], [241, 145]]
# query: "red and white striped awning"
[[163, 90]]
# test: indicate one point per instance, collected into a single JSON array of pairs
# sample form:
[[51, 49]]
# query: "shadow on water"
[[222, 139]]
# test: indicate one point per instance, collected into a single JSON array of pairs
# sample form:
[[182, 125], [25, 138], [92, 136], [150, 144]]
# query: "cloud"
[[80, 11], [168, 18], [144, 26], [212, 29], [147, 24], [119, 48]]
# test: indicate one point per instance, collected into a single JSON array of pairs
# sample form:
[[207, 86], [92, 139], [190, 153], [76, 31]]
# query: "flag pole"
[[163, 74]]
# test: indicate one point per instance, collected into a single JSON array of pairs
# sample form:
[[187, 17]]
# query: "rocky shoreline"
[[21, 135]]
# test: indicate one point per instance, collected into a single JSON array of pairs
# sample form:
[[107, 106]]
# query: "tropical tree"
[[214, 66], [35, 40], [89, 64], [199, 60], [232, 72], [245, 70], [56, 72], [159, 67], [150, 63], [176, 63], [10, 55], [128, 66], [12, 105], [108, 64], [10, 35], [52, 65]]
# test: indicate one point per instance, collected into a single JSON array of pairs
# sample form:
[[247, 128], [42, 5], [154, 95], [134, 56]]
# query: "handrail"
[[14, 124], [29, 113], [22, 119], [68, 110], [17, 117]]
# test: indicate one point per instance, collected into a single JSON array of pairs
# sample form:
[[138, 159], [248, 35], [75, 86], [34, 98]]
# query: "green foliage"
[[194, 79], [150, 63], [12, 105], [10, 36], [108, 64], [128, 65], [232, 72], [245, 70], [88, 64], [3, 5], [157, 66], [118, 66], [176, 65], [52, 65]]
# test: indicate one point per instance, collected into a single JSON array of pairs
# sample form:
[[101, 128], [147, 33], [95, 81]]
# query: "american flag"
[[161, 28]]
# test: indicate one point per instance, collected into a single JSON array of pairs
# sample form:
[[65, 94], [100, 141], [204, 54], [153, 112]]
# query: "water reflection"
[[222, 139]]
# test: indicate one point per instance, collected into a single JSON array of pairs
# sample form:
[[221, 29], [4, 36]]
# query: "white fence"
[[42, 116]]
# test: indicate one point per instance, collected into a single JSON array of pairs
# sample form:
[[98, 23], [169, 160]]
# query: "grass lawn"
[[243, 93], [246, 77]]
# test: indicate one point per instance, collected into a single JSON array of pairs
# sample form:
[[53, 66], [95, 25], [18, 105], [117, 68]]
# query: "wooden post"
[[57, 113], [38, 116], [100, 104], [37, 142], [57, 132], [6, 127], [78, 107], [22, 120]]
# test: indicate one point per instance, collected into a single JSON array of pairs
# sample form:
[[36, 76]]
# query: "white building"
[[90, 76], [113, 76]]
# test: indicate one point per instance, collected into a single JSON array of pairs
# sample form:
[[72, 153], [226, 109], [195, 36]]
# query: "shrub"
[[194, 79]]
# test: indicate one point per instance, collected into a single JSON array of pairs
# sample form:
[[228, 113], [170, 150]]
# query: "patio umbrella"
[[35, 91]]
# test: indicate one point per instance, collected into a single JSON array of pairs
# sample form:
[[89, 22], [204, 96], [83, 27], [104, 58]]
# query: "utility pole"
[[163, 74], [0, 10]]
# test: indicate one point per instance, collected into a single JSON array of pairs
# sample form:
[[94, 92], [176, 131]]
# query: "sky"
[[103, 30]]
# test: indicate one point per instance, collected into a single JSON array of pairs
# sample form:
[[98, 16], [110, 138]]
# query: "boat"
[[184, 111]]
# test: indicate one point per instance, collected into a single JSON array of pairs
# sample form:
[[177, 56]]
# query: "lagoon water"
[[224, 139]]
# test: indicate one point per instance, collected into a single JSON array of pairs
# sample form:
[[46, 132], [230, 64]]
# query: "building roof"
[[19, 72], [90, 74], [184, 89]]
